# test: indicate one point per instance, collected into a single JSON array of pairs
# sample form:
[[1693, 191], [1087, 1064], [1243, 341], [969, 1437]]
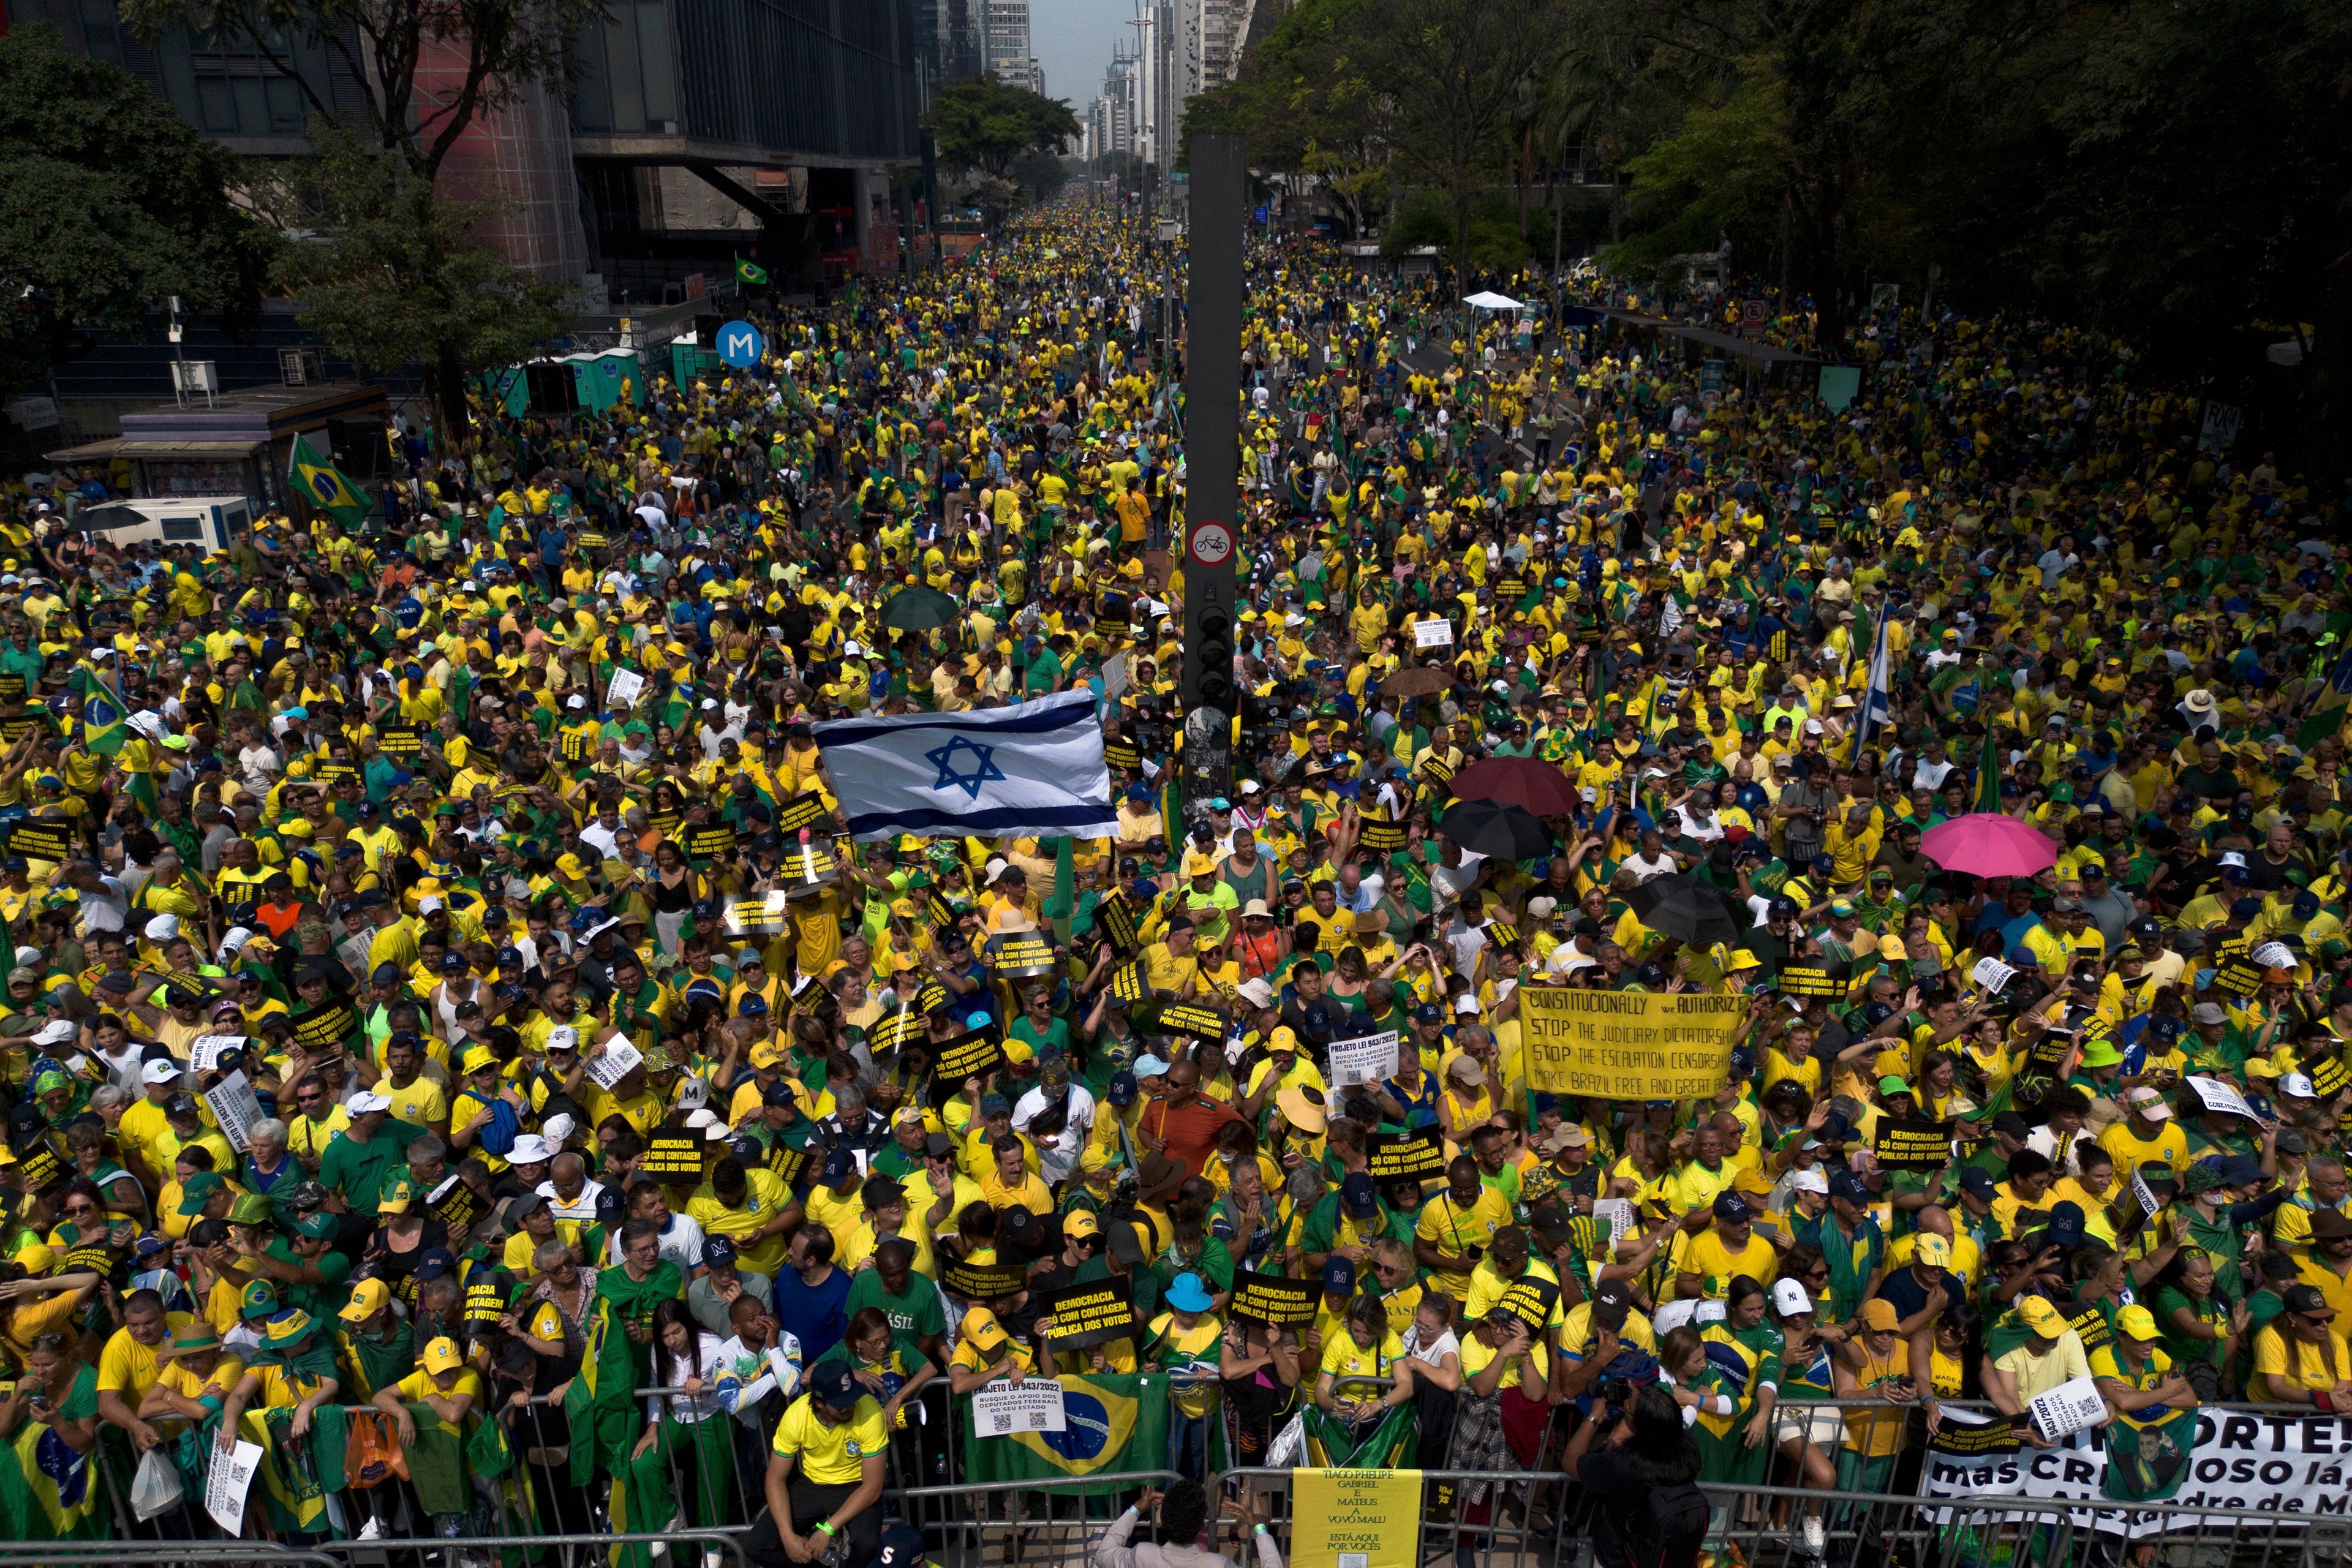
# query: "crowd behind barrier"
[[1822, 928]]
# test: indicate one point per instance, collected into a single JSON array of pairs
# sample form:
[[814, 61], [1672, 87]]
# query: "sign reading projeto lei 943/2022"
[[1628, 1044]]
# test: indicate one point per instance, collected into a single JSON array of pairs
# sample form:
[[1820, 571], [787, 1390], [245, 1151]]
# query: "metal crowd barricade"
[[678, 1549], [1052, 1520]]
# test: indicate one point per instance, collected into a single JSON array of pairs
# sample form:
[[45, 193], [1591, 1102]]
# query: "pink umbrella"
[[1987, 844]]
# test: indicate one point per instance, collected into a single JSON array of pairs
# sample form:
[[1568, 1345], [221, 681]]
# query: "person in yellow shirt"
[[2146, 1133], [1464, 1214], [751, 1208], [443, 1383], [2300, 1357], [1724, 1250], [826, 1472]]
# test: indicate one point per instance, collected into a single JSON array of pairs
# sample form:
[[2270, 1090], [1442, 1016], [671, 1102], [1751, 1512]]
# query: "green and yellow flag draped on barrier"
[[1116, 1425]]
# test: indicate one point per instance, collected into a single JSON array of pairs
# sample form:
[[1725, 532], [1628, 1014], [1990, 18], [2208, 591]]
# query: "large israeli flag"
[[1034, 768]]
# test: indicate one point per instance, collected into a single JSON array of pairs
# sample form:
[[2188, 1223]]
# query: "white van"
[[210, 523]]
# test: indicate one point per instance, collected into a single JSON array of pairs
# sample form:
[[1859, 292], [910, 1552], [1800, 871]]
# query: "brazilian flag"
[[325, 486], [1115, 1424], [750, 273]]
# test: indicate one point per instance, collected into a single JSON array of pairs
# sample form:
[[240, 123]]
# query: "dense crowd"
[[374, 954]]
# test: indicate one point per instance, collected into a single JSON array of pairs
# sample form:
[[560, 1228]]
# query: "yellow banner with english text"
[[1628, 1044]]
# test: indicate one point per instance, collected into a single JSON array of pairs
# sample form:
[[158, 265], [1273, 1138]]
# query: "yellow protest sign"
[[1628, 1044], [1356, 1518]]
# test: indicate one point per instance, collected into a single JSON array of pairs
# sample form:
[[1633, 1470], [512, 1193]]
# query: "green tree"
[[1306, 102], [507, 45], [109, 202], [395, 274], [983, 127], [1458, 79]]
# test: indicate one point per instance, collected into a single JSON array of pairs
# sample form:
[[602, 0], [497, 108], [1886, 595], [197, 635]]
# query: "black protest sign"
[[2240, 976], [1126, 982], [803, 811], [325, 1027], [2090, 1325], [486, 1302], [967, 1055], [1419, 1153], [892, 1031], [1115, 918], [789, 1164], [1531, 1301], [41, 840], [708, 842], [1090, 1313], [1911, 1145], [1199, 1023], [1274, 1300], [1123, 755], [672, 1156], [456, 1204], [938, 910], [401, 740], [1955, 1440], [1807, 980], [37, 1167], [1378, 836], [986, 1282], [2328, 1074], [576, 745], [1021, 955]]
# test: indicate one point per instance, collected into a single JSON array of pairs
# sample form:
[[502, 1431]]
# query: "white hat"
[[995, 870], [693, 1094], [2199, 701], [1812, 1180], [564, 1037], [575, 700], [366, 1100], [556, 1128], [158, 1072], [1257, 992], [28, 957], [2232, 857], [1466, 1003], [700, 1118], [1249, 787], [852, 650], [1812, 726], [710, 704], [1541, 907], [1673, 1315], [717, 1133], [162, 927], [2294, 1083], [57, 1032], [529, 1148], [237, 938], [1788, 1298], [428, 904]]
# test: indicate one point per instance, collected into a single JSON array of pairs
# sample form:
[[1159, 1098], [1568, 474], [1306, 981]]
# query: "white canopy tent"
[[1490, 300]]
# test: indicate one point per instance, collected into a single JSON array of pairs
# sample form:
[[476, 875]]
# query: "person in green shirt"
[[644, 1280], [909, 1301], [356, 1165]]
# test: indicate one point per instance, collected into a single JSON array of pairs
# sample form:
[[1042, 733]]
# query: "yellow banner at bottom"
[[1628, 1044], [1356, 1518]]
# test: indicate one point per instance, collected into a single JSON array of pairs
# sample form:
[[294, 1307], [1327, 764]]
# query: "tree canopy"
[[2177, 175], [108, 204], [982, 125]]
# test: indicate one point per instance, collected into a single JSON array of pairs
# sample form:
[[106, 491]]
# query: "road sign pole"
[[1213, 390]]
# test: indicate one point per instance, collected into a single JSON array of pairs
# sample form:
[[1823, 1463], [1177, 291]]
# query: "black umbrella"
[[1693, 912], [918, 610], [1492, 828]]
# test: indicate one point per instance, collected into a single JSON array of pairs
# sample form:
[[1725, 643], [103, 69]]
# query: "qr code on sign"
[[1003, 1419], [1355, 1560]]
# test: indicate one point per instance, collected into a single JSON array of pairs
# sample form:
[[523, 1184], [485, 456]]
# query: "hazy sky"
[[1073, 39]]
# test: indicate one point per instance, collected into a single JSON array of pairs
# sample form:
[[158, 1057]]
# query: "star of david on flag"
[[1033, 768], [983, 766]]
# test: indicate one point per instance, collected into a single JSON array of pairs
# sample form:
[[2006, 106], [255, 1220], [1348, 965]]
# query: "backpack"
[[498, 1133], [1674, 1531]]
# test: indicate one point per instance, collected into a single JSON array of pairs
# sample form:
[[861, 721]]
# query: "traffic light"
[[1213, 679]]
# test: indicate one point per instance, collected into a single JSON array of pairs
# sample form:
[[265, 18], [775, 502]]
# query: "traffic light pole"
[[1213, 377]]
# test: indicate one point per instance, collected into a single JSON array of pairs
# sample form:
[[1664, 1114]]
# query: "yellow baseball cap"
[[441, 1355], [368, 1298], [2040, 1317]]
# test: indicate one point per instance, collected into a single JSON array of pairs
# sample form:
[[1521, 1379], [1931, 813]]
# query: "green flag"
[[325, 486], [1989, 770], [102, 711], [750, 273]]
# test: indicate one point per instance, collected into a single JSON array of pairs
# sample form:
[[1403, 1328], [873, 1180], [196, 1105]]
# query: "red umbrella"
[[1988, 844], [1529, 782]]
